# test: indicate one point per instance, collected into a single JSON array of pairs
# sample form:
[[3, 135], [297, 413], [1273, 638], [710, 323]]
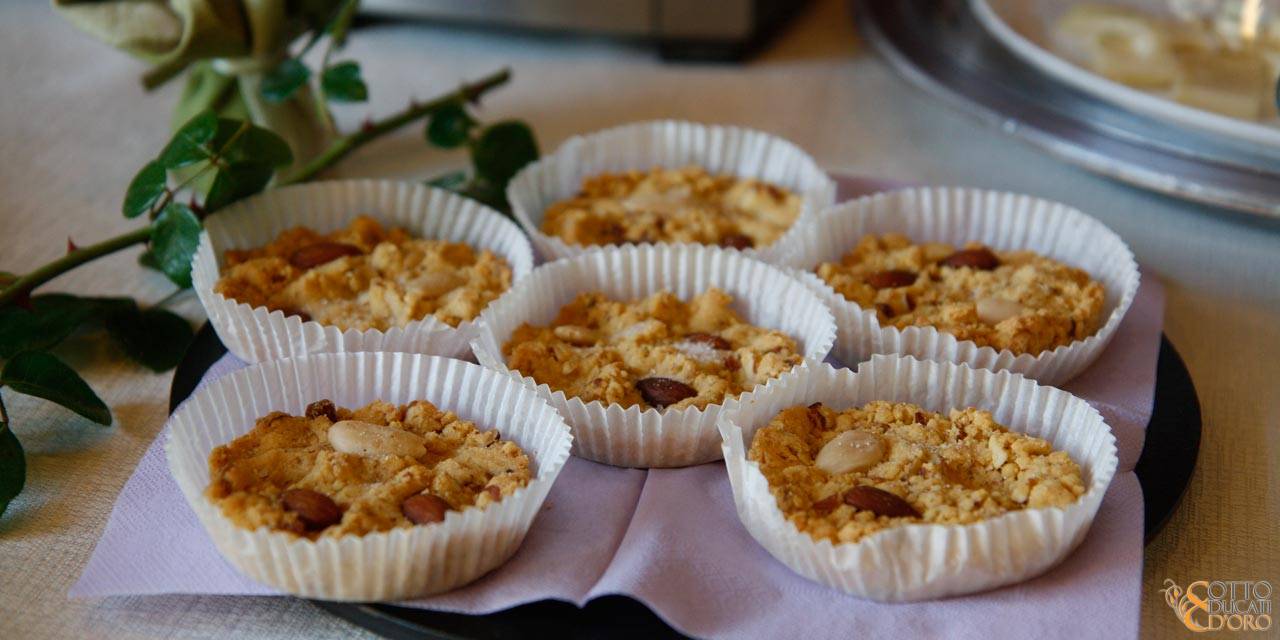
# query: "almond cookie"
[[842, 475], [365, 277], [334, 472], [673, 205], [1008, 300], [656, 352]]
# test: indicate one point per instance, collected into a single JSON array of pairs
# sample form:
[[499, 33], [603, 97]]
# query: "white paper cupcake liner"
[[764, 295], [671, 144], [393, 565], [1005, 221], [255, 334], [918, 562]]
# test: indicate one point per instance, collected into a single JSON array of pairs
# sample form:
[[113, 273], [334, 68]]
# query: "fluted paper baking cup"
[[255, 334], [922, 561], [763, 295], [392, 565], [1005, 221], [672, 144]]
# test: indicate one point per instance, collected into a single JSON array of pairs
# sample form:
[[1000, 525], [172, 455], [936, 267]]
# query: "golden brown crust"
[[673, 205], [462, 465], [954, 469], [365, 277], [1026, 304], [601, 349]]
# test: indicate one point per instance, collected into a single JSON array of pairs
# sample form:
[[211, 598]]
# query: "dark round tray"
[[1164, 469]]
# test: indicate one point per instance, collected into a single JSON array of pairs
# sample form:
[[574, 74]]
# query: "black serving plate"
[[1164, 469]]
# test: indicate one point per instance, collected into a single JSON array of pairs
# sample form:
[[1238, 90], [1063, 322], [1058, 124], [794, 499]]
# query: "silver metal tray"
[[941, 47]]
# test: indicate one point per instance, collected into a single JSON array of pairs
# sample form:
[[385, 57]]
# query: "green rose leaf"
[[450, 126], [238, 141], [259, 146], [13, 464], [147, 260], [174, 237], [146, 189], [284, 80], [487, 194], [190, 144], [451, 181], [49, 321], [235, 182], [503, 149], [155, 338], [42, 375], [342, 82]]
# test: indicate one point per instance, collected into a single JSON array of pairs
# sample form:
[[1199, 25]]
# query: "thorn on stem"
[[367, 125], [195, 207], [71, 245]]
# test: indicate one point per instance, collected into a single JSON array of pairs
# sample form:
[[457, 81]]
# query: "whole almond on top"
[[323, 408], [879, 502], [575, 335], [737, 241], [374, 440], [661, 392], [314, 255], [982, 259], [993, 310], [827, 504], [816, 419], [713, 341], [853, 450], [438, 283], [424, 508], [891, 278], [315, 509]]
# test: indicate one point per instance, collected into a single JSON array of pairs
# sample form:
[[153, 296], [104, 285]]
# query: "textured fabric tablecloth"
[[671, 538], [75, 126]]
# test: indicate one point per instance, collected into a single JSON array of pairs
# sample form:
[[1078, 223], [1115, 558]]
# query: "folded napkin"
[[671, 538]]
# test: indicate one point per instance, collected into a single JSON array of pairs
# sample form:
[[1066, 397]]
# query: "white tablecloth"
[[75, 125]]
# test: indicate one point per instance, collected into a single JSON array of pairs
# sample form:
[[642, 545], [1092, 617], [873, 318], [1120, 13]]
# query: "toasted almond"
[[437, 283], [314, 255], [827, 504], [315, 509], [323, 408], [737, 241], [879, 502], [713, 341], [891, 278], [424, 508], [982, 259], [661, 392]]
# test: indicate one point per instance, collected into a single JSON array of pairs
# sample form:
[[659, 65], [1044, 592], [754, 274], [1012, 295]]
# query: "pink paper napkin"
[[671, 538]]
